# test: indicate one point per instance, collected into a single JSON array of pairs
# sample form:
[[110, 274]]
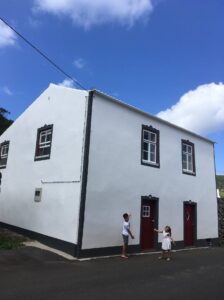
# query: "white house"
[[75, 161]]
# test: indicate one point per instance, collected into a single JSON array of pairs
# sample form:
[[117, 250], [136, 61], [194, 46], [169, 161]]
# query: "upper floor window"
[[150, 146], [44, 141], [4, 150], [188, 158]]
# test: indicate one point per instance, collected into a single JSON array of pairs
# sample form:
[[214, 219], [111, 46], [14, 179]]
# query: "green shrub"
[[9, 242]]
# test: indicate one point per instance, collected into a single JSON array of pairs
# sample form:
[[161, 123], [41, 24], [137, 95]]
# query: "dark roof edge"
[[149, 115]]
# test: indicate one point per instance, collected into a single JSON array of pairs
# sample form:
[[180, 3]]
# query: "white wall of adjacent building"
[[117, 179], [57, 213]]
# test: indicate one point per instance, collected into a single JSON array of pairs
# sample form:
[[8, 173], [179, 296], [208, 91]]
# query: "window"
[[145, 211], [44, 141], [188, 158], [4, 150], [150, 146]]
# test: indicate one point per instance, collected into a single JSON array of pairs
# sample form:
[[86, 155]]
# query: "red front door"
[[147, 224], [189, 213]]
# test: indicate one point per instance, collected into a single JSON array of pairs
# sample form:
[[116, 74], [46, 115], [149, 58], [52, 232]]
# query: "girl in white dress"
[[166, 242]]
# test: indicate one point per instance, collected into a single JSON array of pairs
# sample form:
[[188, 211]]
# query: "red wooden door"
[[147, 224], [188, 225]]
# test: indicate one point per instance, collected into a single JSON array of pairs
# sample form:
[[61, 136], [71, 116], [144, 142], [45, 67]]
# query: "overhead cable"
[[43, 55]]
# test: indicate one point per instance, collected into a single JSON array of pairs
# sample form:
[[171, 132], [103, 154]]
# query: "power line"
[[44, 55]]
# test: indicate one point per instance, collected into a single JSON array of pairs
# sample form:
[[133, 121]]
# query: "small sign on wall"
[[38, 194]]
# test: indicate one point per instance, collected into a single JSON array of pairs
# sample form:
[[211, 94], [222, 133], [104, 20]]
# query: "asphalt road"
[[33, 274]]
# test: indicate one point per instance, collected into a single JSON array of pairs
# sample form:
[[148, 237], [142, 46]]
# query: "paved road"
[[33, 274]]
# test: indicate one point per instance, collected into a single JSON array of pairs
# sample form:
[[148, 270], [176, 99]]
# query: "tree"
[[4, 121], [220, 184]]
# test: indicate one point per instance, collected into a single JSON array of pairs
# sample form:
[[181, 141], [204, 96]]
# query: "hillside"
[[4, 121], [220, 181], [220, 184]]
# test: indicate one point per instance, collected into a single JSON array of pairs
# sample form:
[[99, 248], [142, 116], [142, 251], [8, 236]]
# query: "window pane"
[[42, 138], [45, 136], [40, 152], [145, 155], [46, 150], [184, 165], [49, 137], [145, 211], [152, 148], [4, 150], [145, 146], [152, 137], [190, 166], [3, 161], [152, 157], [184, 148], [146, 135], [184, 157], [189, 149]]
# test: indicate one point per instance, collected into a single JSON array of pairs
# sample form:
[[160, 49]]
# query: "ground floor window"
[[4, 150]]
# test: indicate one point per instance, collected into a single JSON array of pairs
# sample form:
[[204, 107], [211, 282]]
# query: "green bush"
[[9, 242]]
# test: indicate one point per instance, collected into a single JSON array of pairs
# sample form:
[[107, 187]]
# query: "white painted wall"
[[117, 180], [58, 212]]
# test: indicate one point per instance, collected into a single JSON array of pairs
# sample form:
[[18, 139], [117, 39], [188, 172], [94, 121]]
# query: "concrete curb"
[[143, 253], [71, 258], [44, 247]]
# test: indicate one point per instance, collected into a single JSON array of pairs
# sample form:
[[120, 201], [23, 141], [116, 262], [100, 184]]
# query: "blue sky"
[[163, 56]]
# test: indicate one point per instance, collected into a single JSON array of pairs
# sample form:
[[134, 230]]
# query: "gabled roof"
[[133, 108]]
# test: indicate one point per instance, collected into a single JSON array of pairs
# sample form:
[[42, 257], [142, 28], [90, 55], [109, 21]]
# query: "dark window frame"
[[40, 130], [4, 159], [188, 143], [155, 131]]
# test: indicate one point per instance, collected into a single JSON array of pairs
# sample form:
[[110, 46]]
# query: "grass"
[[10, 241]]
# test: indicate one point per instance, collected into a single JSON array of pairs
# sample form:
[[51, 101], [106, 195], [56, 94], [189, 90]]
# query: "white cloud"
[[200, 110], [87, 13], [79, 63], [7, 91], [7, 36], [67, 83]]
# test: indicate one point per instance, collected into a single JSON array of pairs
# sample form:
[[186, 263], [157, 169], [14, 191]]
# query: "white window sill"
[[42, 156], [189, 172], [150, 162]]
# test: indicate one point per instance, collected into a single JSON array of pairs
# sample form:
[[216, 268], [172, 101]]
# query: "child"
[[166, 242], [125, 234]]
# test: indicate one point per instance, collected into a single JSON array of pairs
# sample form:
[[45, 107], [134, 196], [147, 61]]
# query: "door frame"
[[194, 205], [156, 218]]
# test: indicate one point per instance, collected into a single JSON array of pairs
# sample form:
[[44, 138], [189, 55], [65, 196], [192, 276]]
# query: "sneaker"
[[160, 257], [124, 256], [168, 259]]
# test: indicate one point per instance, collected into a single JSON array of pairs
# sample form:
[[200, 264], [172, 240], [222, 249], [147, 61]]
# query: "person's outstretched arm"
[[158, 231]]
